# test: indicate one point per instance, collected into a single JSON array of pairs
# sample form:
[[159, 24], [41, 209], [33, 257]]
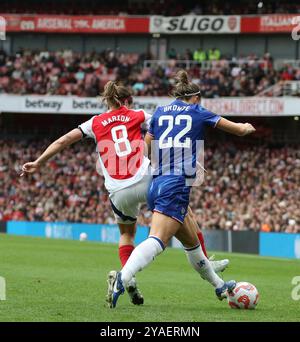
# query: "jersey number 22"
[[180, 120]]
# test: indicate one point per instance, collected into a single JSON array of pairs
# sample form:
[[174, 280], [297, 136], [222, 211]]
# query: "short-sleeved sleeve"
[[152, 121], [148, 118], [209, 118], [151, 126], [87, 128], [146, 123]]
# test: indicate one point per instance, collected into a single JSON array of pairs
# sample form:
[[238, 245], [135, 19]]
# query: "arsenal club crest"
[[232, 22]]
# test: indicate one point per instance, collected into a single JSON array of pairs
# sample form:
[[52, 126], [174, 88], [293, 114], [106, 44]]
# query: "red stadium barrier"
[[76, 24], [277, 23]]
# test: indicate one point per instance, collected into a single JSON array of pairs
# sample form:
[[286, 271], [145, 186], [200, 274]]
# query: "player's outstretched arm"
[[57, 146], [239, 129]]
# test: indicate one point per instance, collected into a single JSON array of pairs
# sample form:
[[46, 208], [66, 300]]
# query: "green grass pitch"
[[57, 280]]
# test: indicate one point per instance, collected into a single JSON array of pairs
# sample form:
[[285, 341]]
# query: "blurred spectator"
[[172, 54], [199, 55], [214, 54], [188, 55]]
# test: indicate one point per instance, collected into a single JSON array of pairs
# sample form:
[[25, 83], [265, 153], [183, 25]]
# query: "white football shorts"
[[126, 202]]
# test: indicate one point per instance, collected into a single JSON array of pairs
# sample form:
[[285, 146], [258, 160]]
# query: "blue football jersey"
[[178, 132]]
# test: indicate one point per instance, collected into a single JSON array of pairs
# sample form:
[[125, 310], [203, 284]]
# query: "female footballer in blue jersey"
[[174, 132]]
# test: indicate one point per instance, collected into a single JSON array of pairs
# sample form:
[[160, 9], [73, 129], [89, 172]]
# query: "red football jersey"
[[120, 144]]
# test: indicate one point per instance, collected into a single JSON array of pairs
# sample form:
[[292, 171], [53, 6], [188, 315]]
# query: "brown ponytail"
[[182, 77], [184, 89], [115, 96]]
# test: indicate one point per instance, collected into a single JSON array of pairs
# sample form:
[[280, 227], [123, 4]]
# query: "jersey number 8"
[[122, 139]]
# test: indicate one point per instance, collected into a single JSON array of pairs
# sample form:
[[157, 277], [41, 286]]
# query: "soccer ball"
[[83, 236], [244, 296]]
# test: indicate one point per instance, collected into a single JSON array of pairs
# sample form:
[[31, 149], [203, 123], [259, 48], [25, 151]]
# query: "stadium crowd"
[[149, 7], [253, 187], [69, 73]]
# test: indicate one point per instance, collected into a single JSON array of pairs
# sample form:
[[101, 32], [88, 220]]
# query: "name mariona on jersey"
[[116, 118]]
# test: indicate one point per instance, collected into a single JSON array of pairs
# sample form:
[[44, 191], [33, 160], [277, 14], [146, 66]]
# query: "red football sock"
[[124, 253], [201, 239]]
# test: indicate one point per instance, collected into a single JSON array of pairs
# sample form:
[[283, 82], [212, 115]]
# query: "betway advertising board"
[[228, 106]]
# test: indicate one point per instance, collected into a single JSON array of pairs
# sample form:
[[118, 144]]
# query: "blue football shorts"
[[170, 196]]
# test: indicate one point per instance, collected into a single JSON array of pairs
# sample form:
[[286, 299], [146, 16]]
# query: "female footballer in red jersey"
[[124, 165]]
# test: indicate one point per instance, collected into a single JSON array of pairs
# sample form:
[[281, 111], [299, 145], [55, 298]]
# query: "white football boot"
[[218, 265]]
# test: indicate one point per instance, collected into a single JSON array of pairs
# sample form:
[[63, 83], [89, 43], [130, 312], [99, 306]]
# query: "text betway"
[[43, 104]]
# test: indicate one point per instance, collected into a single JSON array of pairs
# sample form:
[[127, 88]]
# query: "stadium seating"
[[69, 73], [252, 187], [163, 7]]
